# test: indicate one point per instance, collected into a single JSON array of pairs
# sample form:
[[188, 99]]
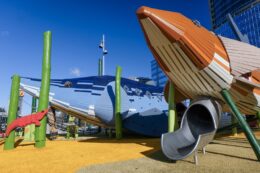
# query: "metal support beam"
[[196, 157], [204, 150], [235, 29], [40, 132], [12, 112], [118, 118], [172, 117], [248, 132]]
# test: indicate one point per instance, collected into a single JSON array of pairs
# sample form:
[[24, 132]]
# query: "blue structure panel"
[[143, 107], [147, 125]]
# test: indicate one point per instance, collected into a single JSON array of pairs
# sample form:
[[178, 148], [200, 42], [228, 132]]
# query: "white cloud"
[[4, 33], [75, 71]]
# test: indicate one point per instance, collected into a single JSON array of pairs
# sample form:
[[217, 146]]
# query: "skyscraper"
[[157, 74], [245, 13]]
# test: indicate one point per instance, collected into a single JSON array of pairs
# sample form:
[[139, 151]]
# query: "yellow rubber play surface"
[[69, 156]]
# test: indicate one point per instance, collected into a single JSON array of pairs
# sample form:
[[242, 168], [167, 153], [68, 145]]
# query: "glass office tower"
[[157, 74], [246, 14]]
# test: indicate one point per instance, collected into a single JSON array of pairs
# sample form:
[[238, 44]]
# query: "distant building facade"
[[157, 74], [246, 15]]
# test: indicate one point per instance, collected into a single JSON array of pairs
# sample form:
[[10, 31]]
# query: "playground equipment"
[[13, 106], [72, 128], [172, 117], [198, 127], [29, 131], [26, 120], [94, 99], [52, 124], [118, 117], [40, 131], [199, 63], [111, 102], [39, 118]]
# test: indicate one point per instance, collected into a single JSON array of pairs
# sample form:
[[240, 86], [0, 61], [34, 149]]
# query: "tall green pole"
[[172, 117], [118, 118], [248, 132], [40, 132], [12, 112]]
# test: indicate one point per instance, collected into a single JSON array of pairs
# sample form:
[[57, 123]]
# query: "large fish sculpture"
[[200, 64], [143, 107]]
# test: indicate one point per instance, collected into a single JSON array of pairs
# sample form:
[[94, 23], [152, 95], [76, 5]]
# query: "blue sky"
[[77, 27]]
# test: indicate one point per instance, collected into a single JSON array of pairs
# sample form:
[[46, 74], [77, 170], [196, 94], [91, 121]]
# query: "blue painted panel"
[[140, 103]]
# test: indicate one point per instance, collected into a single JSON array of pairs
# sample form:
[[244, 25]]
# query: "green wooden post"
[[118, 118], [34, 104], [234, 129], [248, 132], [40, 132], [12, 112], [30, 129], [32, 126], [172, 117]]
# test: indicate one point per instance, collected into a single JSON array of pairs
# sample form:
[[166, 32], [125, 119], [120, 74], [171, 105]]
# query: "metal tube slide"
[[198, 127]]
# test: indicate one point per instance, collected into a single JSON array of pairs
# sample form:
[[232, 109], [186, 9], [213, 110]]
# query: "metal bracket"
[[196, 157]]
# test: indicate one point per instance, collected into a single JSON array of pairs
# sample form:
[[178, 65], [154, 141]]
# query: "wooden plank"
[[193, 83], [221, 72], [244, 58], [181, 63], [216, 78], [186, 58], [205, 82], [210, 81], [166, 60], [170, 55], [178, 74]]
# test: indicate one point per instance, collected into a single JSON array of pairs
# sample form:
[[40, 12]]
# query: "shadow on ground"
[[155, 152], [153, 143]]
